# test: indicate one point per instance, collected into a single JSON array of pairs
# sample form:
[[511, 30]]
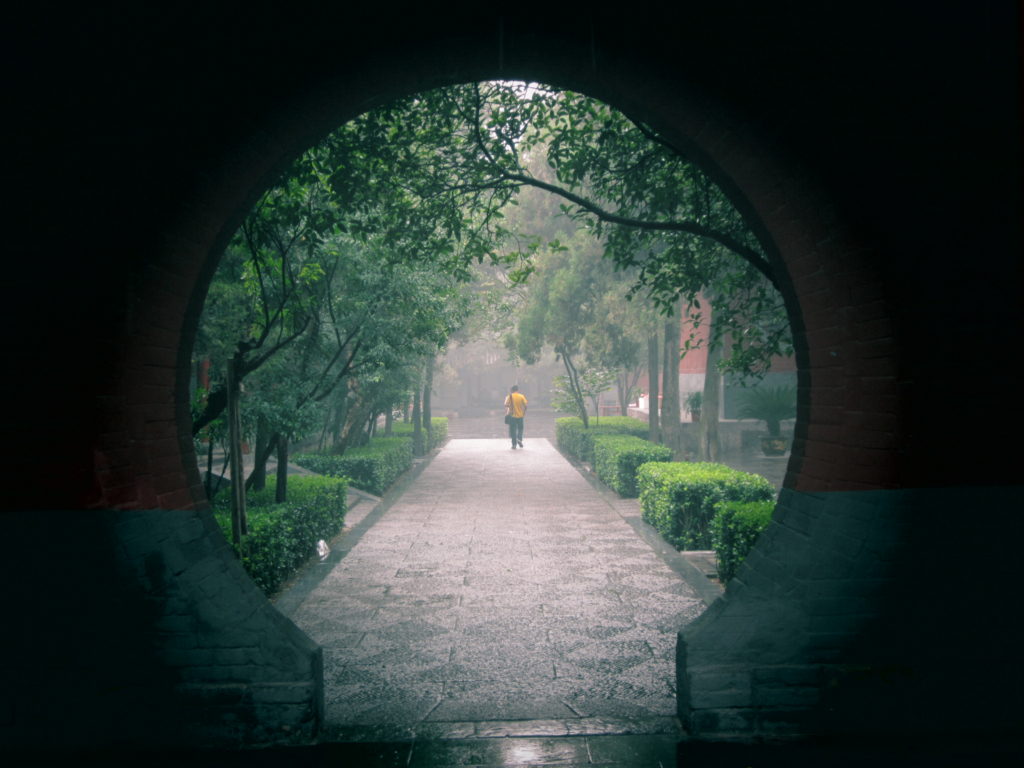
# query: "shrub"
[[438, 431], [578, 442], [734, 529], [678, 498], [617, 458], [283, 536], [770, 405], [373, 467]]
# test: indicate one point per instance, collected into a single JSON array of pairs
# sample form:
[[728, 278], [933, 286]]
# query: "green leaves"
[[283, 536], [617, 458], [735, 528], [679, 498], [373, 467], [353, 265], [770, 405]]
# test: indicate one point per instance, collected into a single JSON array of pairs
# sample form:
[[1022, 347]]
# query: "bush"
[[284, 536], [373, 467], [578, 442], [617, 458], [438, 431], [734, 529], [678, 498]]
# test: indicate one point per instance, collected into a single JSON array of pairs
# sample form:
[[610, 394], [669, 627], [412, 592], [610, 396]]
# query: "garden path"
[[500, 594]]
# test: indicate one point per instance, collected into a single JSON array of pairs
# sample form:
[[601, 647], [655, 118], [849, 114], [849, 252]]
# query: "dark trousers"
[[515, 430]]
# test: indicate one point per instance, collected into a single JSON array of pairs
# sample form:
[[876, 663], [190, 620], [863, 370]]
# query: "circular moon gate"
[[838, 622]]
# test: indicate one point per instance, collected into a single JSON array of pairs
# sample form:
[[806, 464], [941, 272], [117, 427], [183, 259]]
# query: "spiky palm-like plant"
[[769, 404]]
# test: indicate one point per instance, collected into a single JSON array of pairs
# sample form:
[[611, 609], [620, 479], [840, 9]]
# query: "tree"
[[617, 340], [655, 212], [301, 309], [588, 383], [562, 305], [419, 191], [671, 428], [653, 394]]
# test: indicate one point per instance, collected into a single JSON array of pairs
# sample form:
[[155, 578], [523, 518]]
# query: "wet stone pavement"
[[501, 595]]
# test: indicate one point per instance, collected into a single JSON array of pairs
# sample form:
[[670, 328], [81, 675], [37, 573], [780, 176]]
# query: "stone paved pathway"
[[499, 588]]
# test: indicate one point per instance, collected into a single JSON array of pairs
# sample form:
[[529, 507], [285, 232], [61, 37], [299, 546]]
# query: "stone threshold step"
[[500, 729]]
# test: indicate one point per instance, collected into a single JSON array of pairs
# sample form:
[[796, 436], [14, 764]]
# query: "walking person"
[[515, 409]]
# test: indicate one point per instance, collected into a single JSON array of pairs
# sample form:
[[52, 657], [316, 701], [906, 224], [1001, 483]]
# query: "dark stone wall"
[[140, 628], [874, 148], [863, 614]]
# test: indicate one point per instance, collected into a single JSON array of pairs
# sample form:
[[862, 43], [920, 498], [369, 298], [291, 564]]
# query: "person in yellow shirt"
[[515, 408]]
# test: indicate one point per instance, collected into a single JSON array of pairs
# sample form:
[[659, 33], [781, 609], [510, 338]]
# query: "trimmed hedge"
[[573, 439], [734, 529], [284, 536], [438, 431], [372, 467], [617, 458], [678, 498]]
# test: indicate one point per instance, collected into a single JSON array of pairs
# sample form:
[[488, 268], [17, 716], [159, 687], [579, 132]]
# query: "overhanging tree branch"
[[725, 240]]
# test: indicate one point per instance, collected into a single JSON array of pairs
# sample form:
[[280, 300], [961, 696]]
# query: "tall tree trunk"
[[389, 421], [574, 385], [712, 397], [623, 387], [417, 422], [260, 459], [626, 382], [238, 521], [671, 428], [208, 480], [281, 491], [353, 431], [653, 373], [340, 414], [257, 479], [427, 387], [322, 442]]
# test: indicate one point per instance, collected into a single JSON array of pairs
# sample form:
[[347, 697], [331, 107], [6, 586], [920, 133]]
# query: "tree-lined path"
[[499, 589]]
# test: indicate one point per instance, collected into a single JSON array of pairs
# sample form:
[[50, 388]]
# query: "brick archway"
[[847, 353], [835, 614]]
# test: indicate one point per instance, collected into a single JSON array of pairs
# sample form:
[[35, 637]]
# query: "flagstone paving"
[[500, 594]]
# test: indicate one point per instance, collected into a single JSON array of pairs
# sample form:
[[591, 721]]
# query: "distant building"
[[693, 371]]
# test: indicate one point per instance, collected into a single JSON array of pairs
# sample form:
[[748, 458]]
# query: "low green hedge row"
[[679, 498], [283, 536], [578, 442], [734, 529], [372, 467], [618, 457], [438, 431]]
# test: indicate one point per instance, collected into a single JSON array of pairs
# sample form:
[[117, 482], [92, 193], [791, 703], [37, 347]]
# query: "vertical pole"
[[417, 421], [670, 426], [238, 522], [281, 490], [711, 401], [653, 386], [428, 386]]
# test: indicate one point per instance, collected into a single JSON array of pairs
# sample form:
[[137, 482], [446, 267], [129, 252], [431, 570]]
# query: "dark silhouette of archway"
[[878, 155]]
